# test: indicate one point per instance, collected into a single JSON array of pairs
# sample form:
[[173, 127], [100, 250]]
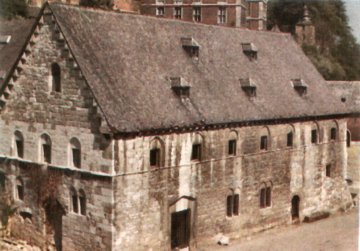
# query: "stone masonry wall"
[[33, 109], [146, 196]]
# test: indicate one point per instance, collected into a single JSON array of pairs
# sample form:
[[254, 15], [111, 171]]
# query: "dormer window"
[[190, 46], [250, 50], [248, 86], [5, 39], [300, 86], [180, 86]]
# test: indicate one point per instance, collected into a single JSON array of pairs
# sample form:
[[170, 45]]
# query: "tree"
[[336, 54], [12, 8]]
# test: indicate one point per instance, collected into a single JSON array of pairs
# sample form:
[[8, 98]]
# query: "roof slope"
[[128, 61], [349, 91], [19, 29]]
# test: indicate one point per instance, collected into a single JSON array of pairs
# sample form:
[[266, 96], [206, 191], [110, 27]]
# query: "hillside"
[[336, 54]]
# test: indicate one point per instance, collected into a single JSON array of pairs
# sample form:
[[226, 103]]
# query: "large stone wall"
[[145, 196], [33, 109]]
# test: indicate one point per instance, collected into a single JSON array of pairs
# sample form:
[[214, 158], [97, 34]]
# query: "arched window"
[[333, 133], [45, 148], [290, 136], [265, 195], [348, 138], [19, 144], [74, 200], [264, 138], [197, 148], [75, 153], [232, 143], [82, 202], [56, 77], [232, 204], [156, 154], [19, 189]]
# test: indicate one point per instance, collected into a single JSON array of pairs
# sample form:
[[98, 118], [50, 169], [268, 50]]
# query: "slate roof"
[[128, 61], [19, 29], [349, 92]]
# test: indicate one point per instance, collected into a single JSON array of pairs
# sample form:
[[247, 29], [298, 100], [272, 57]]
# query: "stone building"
[[114, 138], [349, 93], [234, 13]]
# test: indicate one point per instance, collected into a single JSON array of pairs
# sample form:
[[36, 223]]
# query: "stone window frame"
[[232, 143], [157, 150], [233, 203], [290, 136], [315, 127], [45, 154], [265, 139], [19, 191], [55, 78], [334, 131], [78, 201], [265, 195], [18, 144], [196, 14], [197, 148], [178, 12], [222, 15], [74, 153], [160, 11]]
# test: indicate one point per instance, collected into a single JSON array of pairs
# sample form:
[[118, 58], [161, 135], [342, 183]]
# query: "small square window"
[[196, 152], [232, 147], [328, 170], [314, 136], [155, 157], [263, 143], [333, 134]]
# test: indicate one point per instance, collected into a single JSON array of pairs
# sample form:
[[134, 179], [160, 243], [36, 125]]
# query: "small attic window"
[[248, 86], [250, 50], [5, 39], [180, 86], [300, 86], [190, 46]]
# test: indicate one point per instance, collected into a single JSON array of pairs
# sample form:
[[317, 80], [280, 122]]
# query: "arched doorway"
[[295, 208]]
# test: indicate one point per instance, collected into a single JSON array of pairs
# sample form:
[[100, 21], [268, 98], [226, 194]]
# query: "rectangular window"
[[160, 11], [75, 204], [262, 197], [47, 153], [82, 201], [236, 204], [232, 147], [196, 152], [222, 15], [20, 148], [197, 14], [268, 196], [333, 134], [314, 136], [76, 157], [229, 206], [328, 170], [263, 143], [178, 12], [289, 139], [155, 157]]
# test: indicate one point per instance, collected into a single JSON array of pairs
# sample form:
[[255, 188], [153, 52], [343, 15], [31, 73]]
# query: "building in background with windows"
[[234, 13], [106, 144]]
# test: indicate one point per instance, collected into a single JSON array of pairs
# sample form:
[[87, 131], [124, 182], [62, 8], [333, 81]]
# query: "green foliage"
[[12, 8], [336, 54], [97, 3]]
